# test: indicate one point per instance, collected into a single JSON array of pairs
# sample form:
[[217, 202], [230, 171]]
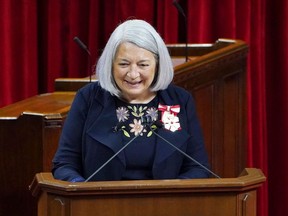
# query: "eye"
[[143, 65], [123, 64]]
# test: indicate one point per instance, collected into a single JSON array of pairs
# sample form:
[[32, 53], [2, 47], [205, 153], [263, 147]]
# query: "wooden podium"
[[196, 197]]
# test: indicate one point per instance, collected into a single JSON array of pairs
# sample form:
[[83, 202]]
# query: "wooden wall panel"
[[217, 80]]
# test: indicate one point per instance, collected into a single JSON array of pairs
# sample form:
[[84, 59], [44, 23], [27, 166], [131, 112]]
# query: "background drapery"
[[37, 47]]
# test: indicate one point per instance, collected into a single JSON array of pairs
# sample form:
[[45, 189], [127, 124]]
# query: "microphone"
[[116, 128], [147, 121], [179, 8], [84, 47], [181, 11]]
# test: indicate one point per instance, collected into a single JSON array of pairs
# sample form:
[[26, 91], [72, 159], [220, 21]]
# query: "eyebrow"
[[125, 59]]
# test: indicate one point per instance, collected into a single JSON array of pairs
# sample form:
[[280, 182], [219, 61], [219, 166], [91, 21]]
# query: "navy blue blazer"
[[88, 139]]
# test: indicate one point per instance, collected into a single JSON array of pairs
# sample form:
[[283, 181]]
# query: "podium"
[[197, 197]]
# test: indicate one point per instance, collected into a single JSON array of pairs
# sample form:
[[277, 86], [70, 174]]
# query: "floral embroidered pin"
[[169, 117]]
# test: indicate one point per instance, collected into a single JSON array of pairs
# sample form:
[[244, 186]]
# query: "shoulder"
[[90, 87], [91, 91], [176, 93], [177, 89]]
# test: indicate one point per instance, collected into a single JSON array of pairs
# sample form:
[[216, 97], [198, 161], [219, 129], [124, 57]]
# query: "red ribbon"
[[172, 109]]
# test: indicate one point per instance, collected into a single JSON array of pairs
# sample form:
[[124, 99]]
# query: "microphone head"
[[81, 45], [146, 120], [179, 8]]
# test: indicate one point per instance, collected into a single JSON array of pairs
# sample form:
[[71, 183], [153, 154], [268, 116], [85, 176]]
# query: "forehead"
[[130, 50]]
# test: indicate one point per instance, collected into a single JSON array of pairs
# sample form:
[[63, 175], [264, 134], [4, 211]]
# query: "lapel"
[[104, 118]]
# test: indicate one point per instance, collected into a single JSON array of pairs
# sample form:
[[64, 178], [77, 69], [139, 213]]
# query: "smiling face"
[[134, 70]]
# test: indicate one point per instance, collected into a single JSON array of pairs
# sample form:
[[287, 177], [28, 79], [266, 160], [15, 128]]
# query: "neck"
[[140, 100]]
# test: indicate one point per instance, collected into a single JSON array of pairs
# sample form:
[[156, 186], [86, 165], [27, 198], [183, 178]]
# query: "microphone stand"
[[84, 47], [181, 11]]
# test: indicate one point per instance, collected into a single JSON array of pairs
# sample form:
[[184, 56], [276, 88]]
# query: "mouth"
[[133, 83]]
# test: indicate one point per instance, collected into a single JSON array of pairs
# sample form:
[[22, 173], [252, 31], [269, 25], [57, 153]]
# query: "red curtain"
[[276, 72], [18, 54], [37, 47]]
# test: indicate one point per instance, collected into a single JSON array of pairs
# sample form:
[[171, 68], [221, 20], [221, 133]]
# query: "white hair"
[[143, 35]]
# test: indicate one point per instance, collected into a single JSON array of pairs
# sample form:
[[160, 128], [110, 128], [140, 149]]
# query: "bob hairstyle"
[[143, 35]]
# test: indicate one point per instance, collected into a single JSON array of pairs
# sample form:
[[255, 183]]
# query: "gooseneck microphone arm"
[[181, 11], [188, 156], [84, 47], [146, 120]]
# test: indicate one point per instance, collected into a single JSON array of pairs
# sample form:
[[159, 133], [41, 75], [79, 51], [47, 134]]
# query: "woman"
[[134, 81]]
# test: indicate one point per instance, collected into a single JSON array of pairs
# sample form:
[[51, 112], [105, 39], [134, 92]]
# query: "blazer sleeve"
[[67, 162]]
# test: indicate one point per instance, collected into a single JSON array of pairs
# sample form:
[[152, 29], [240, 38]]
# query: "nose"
[[133, 73]]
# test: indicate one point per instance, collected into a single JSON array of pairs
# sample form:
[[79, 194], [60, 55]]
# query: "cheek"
[[119, 74], [151, 75]]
